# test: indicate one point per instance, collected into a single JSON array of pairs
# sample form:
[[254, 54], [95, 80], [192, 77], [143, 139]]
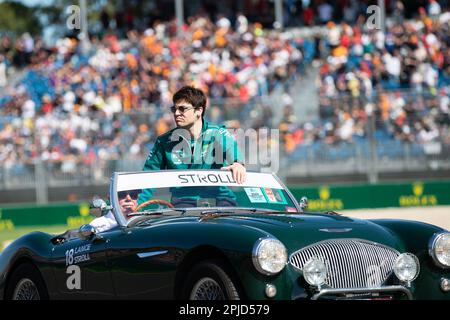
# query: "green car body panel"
[[152, 256], [231, 238]]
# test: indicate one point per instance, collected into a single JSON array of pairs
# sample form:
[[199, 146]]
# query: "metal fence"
[[366, 159], [372, 155], [389, 142], [313, 161]]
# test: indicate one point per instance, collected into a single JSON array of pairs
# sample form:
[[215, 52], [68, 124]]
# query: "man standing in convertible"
[[194, 143]]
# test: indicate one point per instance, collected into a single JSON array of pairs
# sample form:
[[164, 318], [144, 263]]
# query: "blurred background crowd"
[[402, 78], [69, 107]]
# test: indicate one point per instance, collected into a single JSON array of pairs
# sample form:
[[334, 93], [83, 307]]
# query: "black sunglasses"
[[182, 109], [133, 194]]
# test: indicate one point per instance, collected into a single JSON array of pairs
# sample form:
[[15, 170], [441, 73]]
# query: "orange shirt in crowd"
[[385, 107], [161, 127]]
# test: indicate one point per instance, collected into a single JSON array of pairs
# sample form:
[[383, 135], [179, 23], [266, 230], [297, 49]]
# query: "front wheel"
[[26, 284], [210, 280]]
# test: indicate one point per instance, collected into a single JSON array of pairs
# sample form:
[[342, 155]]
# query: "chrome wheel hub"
[[207, 289], [26, 290]]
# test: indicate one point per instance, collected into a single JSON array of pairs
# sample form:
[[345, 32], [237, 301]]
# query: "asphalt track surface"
[[439, 216]]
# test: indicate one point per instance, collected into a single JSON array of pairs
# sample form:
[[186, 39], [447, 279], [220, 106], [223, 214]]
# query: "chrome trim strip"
[[336, 230], [143, 255], [363, 290]]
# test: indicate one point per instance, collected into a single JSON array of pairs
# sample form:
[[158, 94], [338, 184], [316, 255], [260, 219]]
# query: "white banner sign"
[[192, 178]]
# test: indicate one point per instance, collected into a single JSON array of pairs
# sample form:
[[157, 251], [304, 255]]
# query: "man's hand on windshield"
[[238, 171]]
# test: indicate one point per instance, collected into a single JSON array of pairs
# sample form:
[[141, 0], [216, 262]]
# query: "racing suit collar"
[[204, 125]]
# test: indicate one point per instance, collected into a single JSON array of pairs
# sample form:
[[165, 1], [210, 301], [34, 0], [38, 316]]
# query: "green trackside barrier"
[[71, 214], [321, 198], [383, 195]]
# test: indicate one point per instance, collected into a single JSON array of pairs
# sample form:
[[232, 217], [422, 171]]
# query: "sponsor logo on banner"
[[83, 218], [5, 224], [418, 198], [326, 202]]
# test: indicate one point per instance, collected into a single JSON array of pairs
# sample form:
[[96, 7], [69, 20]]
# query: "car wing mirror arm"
[[88, 232], [303, 203]]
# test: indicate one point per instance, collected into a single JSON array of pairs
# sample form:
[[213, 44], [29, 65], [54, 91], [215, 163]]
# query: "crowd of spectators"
[[74, 107], [402, 116], [401, 79]]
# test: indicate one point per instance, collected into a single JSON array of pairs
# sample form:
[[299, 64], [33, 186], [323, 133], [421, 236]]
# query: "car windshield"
[[154, 191]]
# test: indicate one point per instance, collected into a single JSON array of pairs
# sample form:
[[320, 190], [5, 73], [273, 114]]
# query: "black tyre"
[[26, 283], [210, 280]]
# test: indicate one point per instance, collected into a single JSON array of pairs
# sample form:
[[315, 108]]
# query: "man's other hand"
[[238, 171]]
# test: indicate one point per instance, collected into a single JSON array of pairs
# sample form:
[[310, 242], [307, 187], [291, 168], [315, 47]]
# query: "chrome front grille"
[[351, 263]]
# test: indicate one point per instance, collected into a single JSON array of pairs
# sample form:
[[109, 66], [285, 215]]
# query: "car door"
[[141, 267], [81, 268]]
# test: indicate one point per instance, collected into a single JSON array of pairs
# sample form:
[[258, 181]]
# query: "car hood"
[[299, 230]]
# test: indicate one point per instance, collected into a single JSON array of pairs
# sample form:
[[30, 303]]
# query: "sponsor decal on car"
[[208, 179], [185, 178], [255, 195], [78, 254], [274, 196], [73, 257]]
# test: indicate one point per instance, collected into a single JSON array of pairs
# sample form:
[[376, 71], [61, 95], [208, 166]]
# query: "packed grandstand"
[[72, 108]]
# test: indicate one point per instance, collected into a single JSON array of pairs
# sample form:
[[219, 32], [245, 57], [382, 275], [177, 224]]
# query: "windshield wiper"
[[233, 210], [156, 212], [221, 212]]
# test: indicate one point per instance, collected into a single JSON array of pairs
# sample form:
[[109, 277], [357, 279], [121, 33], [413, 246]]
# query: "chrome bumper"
[[392, 289]]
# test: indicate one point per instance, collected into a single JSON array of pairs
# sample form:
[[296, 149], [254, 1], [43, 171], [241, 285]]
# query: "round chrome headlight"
[[269, 256], [440, 249], [406, 267], [315, 272]]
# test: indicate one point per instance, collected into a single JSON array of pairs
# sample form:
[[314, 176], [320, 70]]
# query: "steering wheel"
[[158, 201]]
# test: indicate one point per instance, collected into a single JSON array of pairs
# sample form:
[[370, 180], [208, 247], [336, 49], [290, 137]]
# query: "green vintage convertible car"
[[199, 235]]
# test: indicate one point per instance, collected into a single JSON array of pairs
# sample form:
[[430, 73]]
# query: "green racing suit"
[[176, 149]]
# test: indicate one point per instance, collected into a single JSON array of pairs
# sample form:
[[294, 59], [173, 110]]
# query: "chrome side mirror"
[[303, 203], [98, 208], [86, 232]]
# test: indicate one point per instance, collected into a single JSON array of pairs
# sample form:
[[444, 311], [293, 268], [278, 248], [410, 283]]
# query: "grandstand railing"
[[346, 159], [373, 155], [308, 160], [379, 151]]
